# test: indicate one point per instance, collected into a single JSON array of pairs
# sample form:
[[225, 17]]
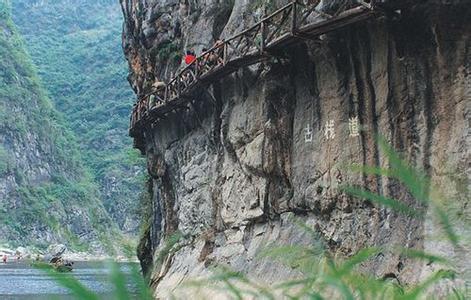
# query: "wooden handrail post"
[[139, 116], [143, 105], [224, 59], [263, 33], [138, 112], [179, 85], [276, 33], [295, 19], [373, 4], [263, 28], [132, 119]]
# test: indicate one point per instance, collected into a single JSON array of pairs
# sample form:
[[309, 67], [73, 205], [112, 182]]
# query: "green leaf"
[[142, 287], [416, 182], [118, 279], [446, 225], [417, 254], [360, 257], [382, 200], [69, 282], [421, 288]]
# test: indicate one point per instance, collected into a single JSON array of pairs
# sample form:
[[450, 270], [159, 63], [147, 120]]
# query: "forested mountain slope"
[[77, 48], [46, 194]]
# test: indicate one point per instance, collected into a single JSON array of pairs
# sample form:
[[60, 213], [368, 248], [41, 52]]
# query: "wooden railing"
[[298, 19]]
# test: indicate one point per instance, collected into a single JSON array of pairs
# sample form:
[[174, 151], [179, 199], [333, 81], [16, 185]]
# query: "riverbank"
[[31, 253]]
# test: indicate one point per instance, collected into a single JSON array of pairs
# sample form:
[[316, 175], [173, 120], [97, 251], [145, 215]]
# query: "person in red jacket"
[[190, 57]]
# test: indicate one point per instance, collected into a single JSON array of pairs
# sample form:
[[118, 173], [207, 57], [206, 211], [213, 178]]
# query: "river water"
[[19, 281]]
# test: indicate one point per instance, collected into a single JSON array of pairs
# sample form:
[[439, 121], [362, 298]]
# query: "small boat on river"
[[61, 265]]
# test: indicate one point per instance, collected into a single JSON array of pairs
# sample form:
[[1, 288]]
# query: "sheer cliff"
[[46, 195], [273, 140], [76, 48]]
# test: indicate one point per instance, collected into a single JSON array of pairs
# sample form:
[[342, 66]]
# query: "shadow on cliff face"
[[316, 273]]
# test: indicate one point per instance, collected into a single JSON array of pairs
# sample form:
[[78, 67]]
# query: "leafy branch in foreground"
[[124, 285], [77, 289], [320, 276], [417, 183]]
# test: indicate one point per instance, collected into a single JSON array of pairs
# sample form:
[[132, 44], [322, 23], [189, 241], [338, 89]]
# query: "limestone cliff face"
[[229, 171]]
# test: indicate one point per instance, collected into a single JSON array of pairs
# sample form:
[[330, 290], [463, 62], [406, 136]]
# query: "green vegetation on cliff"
[[46, 194], [77, 49]]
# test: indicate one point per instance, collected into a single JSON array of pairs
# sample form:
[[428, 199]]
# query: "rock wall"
[[229, 171]]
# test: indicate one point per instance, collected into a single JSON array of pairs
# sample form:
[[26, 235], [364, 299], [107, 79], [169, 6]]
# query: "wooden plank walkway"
[[288, 25]]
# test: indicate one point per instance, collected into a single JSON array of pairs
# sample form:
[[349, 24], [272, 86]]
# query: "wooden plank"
[[278, 11], [345, 18], [279, 25], [185, 97], [179, 91], [349, 17]]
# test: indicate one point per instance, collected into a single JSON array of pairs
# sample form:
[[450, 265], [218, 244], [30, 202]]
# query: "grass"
[[119, 280], [322, 275], [325, 277]]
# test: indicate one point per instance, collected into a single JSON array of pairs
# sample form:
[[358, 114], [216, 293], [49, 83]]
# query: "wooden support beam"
[[263, 33], [294, 11], [225, 54], [196, 62], [367, 5], [179, 91], [179, 86]]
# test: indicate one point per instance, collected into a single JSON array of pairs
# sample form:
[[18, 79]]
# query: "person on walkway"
[[4, 258], [190, 57]]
